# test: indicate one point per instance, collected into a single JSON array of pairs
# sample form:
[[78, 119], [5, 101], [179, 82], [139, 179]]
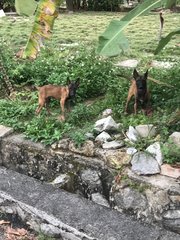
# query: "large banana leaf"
[[164, 41], [46, 13], [112, 42], [27, 8]]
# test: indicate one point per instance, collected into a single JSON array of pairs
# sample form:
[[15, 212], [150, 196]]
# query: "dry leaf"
[[17, 232], [4, 222]]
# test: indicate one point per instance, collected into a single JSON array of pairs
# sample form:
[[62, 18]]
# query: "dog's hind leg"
[[40, 106]]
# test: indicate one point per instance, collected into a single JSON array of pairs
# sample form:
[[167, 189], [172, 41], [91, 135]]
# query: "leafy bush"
[[102, 84], [53, 68], [104, 5], [170, 152]]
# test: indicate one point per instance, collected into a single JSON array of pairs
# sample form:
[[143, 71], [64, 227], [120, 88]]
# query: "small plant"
[[78, 137], [41, 236], [171, 152]]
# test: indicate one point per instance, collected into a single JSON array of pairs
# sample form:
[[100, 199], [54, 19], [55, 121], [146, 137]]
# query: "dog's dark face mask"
[[73, 86], [141, 84]]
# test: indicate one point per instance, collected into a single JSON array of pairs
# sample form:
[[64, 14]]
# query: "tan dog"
[[138, 89], [61, 93]]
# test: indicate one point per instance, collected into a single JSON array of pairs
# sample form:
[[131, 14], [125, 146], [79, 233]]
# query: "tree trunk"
[[69, 4]]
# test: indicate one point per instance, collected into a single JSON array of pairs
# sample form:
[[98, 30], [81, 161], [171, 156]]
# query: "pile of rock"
[[108, 142]]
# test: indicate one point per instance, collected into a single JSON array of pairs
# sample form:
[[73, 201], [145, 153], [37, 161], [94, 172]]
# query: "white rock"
[[132, 63], [160, 64], [113, 145], [107, 112], [5, 131], [103, 137], [175, 138], [99, 199], [155, 150], [146, 130], [61, 179], [2, 14], [144, 164], [105, 124], [132, 134], [131, 150]]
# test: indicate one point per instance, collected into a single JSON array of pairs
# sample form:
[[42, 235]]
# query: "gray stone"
[[116, 158], [87, 149], [130, 199], [61, 180], [50, 230], [172, 214], [103, 137], [132, 134], [171, 220], [91, 180], [62, 144], [158, 202], [175, 138], [5, 131], [89, 136], [106, 124], [113, 145], [73, 215], [144, 164], [145, 131], [162, 182], [155, 150], [99, 199]]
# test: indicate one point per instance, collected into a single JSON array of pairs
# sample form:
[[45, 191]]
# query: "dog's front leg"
[[62, 103], [127, 101], [135, 105]]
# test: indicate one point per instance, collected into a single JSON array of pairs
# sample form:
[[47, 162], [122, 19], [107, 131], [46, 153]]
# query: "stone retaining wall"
[[154, 199]]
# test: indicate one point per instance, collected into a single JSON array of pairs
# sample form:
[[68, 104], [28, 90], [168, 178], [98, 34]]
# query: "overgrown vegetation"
[[102, 83]]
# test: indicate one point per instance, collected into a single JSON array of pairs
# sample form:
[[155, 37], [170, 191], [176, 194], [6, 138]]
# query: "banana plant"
[[27, 9], [170, 3], [46, 13], [113, 41], [164, 40]]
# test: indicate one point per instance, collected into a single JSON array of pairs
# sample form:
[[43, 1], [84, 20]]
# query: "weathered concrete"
[[111, 166], [70, 216]]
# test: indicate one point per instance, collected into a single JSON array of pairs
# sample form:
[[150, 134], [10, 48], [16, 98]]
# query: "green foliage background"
[[71, 54]]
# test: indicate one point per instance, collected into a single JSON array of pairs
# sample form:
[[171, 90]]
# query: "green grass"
[[98, 75], [87, 26]]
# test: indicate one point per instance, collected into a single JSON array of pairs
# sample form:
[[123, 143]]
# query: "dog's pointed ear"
[[77, 82], [135, 74], [146, 75]]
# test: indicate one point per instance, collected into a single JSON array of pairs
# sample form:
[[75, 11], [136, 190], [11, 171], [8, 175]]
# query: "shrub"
[[104, 5]]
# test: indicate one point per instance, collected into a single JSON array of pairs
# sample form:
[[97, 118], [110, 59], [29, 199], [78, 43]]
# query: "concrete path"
[[70, 216]]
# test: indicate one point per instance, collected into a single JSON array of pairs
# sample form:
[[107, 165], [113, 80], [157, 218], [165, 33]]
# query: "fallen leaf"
[[4, 222], [17, 232]]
